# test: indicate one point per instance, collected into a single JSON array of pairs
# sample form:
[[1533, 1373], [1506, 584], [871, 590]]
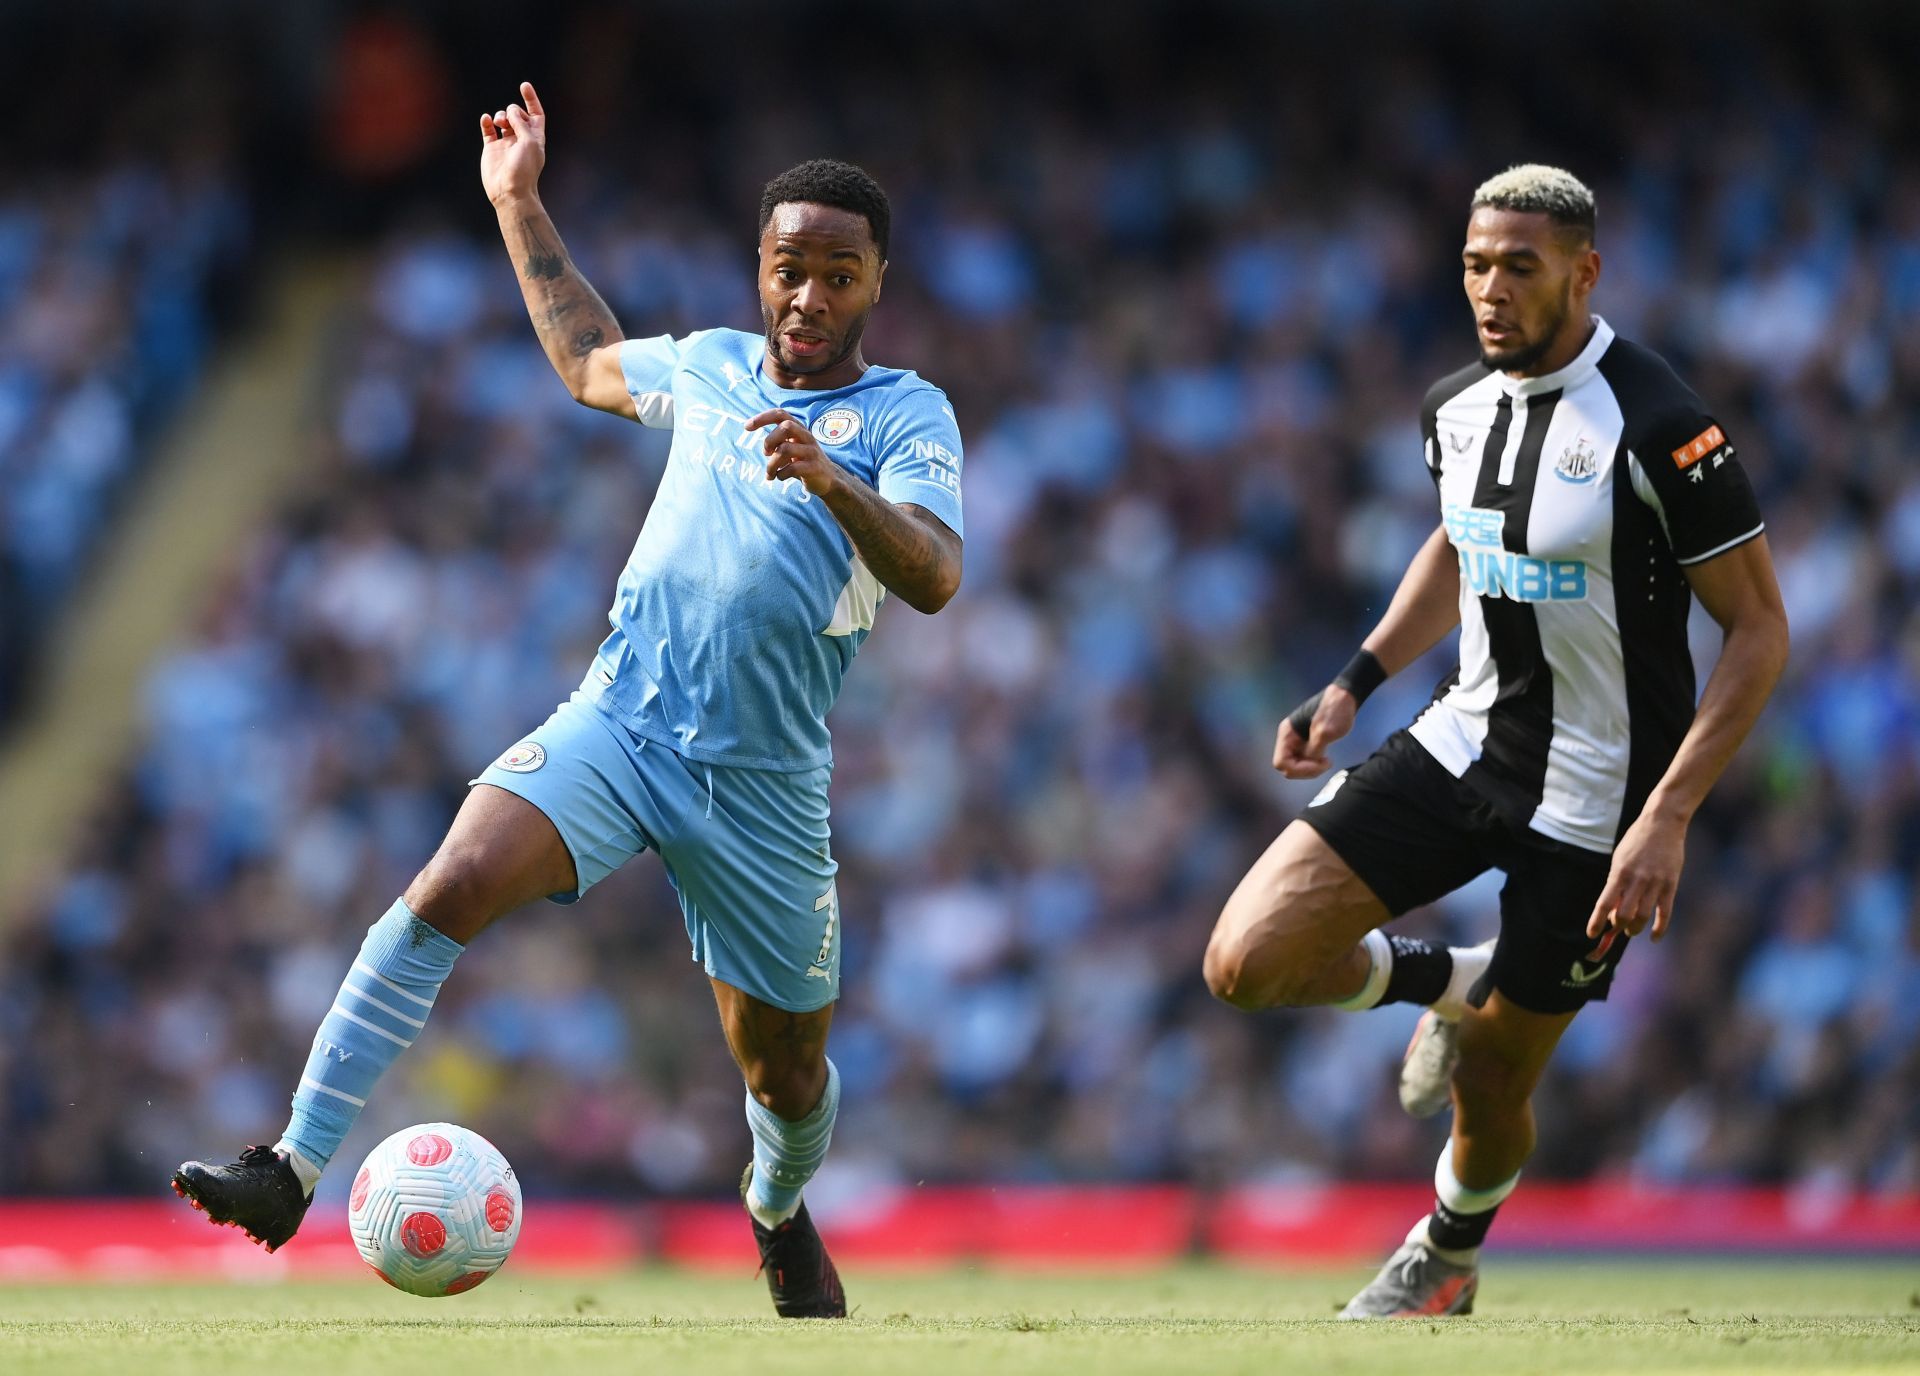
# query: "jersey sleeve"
[[918, 455], [1684, 468], [648, 366]]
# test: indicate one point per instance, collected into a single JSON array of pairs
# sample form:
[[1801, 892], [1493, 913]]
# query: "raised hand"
[[793, 452], [513, 148]]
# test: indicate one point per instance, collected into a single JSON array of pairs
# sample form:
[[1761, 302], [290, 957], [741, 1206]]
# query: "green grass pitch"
[[1534, 1317]]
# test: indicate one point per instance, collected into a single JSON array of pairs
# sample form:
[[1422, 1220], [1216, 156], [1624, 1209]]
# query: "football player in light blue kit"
[[803, 485]]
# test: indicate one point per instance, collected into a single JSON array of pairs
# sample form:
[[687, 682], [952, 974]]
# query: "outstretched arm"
[[579, 333], [910, 550]]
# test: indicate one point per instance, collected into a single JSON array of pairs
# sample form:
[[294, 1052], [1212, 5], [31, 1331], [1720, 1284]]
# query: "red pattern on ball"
[[499, 1211], [362, 1183], [387, 1278], [429, 1149], [466, 1282], [423, 1234]]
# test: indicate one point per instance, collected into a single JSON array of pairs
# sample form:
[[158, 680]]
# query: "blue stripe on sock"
[[359, 1037], [786, 1155]]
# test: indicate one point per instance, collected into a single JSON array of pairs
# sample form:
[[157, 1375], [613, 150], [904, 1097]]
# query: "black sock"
[[1420, 971], [1459, 1232]]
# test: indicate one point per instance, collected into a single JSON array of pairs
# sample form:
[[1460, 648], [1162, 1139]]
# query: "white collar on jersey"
[[1574, 373]]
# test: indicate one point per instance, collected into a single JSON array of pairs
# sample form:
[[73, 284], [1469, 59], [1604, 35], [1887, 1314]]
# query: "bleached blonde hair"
[[1533, 188]]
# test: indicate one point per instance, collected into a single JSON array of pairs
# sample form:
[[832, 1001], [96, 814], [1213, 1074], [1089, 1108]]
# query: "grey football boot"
[[1416, 1284], [1426, 1073]]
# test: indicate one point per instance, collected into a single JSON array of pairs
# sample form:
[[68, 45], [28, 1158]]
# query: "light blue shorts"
[[746, 849]]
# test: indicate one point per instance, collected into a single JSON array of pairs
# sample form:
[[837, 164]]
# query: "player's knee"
[[788, 1090], [455, 894], [1225, 969], [1273, 962], [1249, 972]]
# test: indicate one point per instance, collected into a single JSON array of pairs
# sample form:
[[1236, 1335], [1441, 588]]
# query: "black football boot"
[[800, 1274], [259, 1194]]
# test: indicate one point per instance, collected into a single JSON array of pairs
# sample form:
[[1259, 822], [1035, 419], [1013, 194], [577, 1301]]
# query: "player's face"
[[820, 276], [1528, 281]]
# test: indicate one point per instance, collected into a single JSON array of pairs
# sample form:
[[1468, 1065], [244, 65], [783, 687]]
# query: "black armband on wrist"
[[1301, 717], [1362, 675]]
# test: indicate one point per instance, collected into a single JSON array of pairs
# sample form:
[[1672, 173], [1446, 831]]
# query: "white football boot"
[[1426, 1072]]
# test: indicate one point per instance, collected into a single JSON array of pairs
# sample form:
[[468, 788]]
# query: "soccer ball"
[[435, 1209]]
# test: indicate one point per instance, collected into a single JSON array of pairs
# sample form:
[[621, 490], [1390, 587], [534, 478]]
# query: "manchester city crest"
[[837, 426], [1576, 462], [524, 758]]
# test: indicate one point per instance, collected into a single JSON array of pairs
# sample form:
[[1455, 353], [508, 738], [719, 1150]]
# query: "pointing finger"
[[1663, 914], [534, 107], [790, 433], [1603, 909], [766, 418], [1635, 907]]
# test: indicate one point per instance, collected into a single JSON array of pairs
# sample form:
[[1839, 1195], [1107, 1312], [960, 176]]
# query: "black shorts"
[[1413, 832]]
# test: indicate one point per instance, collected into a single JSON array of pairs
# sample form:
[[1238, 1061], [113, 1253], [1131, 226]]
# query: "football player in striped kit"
[[1586, 497]]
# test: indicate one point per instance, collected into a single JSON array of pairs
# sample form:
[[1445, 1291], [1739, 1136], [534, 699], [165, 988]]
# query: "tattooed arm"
[[579, 333], [910, 550]]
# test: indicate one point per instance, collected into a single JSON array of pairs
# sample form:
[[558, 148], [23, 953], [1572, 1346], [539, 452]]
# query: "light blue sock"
[[381, 1007], [785, 1155]]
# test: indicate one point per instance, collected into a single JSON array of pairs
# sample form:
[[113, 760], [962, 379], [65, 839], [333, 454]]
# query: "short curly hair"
[[1535, 189], [825, 181]]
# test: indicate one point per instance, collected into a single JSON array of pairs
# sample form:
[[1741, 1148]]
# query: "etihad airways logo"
[[1492, 570], [748, 467]]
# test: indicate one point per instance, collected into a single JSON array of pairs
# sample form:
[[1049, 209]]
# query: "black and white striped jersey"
[[1573, 501]]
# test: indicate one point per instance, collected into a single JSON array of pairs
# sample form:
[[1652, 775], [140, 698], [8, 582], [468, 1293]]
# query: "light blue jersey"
[[743, 602]]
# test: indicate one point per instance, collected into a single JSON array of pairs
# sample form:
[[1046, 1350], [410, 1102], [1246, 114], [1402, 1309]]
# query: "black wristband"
[[1301, 717], [1362, 675]]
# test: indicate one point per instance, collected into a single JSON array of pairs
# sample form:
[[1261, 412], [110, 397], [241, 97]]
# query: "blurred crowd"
[[112, 279], [1187, 352]]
